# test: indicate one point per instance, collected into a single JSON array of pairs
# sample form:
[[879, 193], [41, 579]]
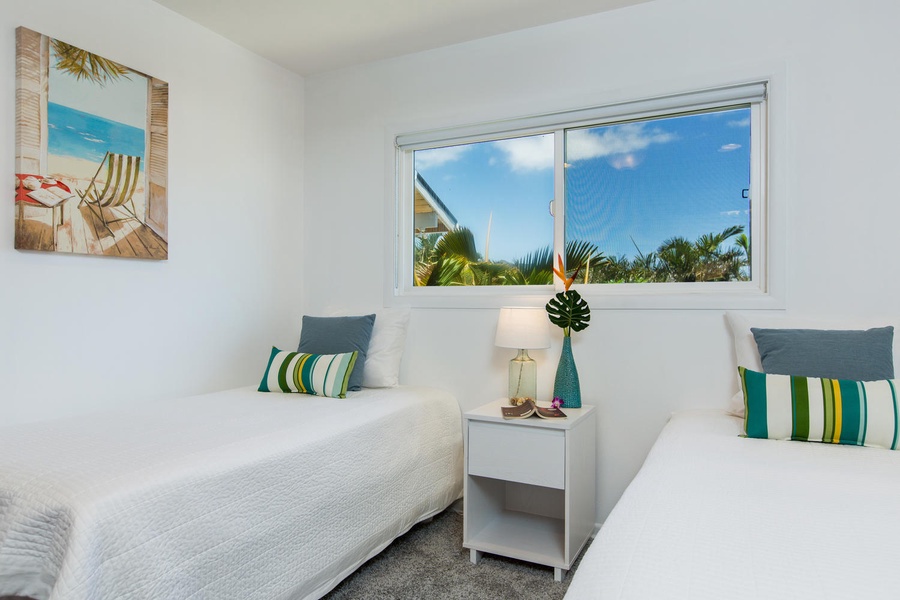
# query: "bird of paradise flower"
[[567, 309]]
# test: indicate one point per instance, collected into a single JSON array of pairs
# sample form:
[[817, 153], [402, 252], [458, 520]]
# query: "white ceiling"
[[314, 36]]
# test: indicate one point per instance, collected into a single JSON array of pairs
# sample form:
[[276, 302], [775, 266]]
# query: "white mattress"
[[715, 516], [236, 494]]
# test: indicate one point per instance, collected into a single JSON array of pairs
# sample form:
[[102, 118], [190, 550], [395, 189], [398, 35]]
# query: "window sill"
[[670, 296]]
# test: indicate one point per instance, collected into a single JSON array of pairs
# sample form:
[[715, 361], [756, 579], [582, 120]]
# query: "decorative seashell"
[[31, 183], [18, 182], [48, 181]]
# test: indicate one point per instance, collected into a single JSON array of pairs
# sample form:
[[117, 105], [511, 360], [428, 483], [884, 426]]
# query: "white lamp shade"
[[525, 328]]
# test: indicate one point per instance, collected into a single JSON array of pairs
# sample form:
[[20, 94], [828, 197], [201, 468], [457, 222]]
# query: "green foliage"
[[582, 255], [678, 259], [451, 259], [87, 65], [536, 268], [459, 243], [743, 243], [569, 311]]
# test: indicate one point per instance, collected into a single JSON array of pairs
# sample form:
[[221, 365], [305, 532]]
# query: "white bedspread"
[[715, 516], [237, 494]]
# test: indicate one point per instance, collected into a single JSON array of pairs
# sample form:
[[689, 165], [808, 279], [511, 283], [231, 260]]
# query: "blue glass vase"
[[566, 385]]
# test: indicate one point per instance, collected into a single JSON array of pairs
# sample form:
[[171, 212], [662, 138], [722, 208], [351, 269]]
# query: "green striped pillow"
[[810, 409], [316, 374]]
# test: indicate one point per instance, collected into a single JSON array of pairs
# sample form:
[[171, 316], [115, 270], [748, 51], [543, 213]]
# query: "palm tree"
[[424, 247], [535, 268], [452, 259], [615, 269], [441, 257], [583, 255], [705, 259], [86, 65], [743, 242], [678, 259]]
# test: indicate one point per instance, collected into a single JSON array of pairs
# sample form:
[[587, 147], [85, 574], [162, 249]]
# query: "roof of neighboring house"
[[434, 201]]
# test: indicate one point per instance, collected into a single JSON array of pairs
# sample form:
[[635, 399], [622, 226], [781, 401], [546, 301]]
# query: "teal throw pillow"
[[332, 335], [812, 409], [859, 355]]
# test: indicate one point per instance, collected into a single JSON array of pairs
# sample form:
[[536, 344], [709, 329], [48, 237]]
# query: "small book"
[[528, 408], [58, 191], [45, 197]]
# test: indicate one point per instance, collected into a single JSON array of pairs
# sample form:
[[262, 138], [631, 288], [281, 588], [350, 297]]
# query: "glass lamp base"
[[522, 378]]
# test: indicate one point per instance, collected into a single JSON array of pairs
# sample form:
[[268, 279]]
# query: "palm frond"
[[537, 263], [743, 242], [87, 65], [459, 242], [580, 253]]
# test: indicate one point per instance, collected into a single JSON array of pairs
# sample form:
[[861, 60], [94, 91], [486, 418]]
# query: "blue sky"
[[123, 100], [646, 180]]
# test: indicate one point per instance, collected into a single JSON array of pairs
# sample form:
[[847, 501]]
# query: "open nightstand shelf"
[[525, 536], [530, 486]]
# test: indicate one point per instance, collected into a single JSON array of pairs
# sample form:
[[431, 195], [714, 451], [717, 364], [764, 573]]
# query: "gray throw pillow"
[[336, 335], [857, 355]]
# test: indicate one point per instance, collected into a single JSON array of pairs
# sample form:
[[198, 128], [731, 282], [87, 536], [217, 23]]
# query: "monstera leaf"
[[569, 311]]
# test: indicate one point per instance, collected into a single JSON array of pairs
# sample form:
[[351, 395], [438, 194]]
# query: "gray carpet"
[[430, 562]]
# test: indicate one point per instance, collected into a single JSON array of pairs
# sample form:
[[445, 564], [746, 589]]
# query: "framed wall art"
[[91, 153]]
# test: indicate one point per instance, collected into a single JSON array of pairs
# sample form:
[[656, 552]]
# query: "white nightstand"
[[530, 486]]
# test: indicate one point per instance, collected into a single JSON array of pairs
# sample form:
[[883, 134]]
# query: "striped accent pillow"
[[316, 374], [812, 409]]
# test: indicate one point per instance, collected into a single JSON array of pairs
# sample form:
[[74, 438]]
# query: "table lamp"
[[524, 329]]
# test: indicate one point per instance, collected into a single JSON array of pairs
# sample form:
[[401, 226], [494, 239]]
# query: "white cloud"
[[536, 152], [740, 123], [439, 156], [621, 139], [624, 161], [729, 147], [528, 153]]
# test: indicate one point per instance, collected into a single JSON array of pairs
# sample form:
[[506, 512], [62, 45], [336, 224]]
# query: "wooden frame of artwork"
[[91, 153]]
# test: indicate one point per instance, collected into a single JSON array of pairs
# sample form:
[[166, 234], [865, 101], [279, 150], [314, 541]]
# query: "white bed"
[[712, 515], [237, 494]]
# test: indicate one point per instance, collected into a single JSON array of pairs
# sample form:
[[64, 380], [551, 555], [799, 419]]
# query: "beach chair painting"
[[91, 125], [115, 190]]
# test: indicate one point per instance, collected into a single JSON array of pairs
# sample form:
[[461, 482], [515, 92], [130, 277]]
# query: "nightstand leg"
[[559, 574], [475, 555]]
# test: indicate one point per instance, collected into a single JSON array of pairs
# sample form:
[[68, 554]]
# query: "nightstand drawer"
[[529, 455]]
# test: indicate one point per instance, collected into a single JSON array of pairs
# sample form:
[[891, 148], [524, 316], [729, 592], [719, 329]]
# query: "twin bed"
[[714, 516], [236, 494]]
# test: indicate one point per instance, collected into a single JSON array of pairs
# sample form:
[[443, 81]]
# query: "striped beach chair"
[[117, 190]]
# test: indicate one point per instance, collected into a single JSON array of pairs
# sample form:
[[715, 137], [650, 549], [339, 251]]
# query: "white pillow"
[[386, 345], [747, 354]]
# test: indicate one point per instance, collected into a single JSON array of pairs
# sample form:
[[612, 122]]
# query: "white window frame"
[[763, 291]]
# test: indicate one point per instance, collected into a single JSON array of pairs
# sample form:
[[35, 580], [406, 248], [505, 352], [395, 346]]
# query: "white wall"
[[834, 175], [83, 332]]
